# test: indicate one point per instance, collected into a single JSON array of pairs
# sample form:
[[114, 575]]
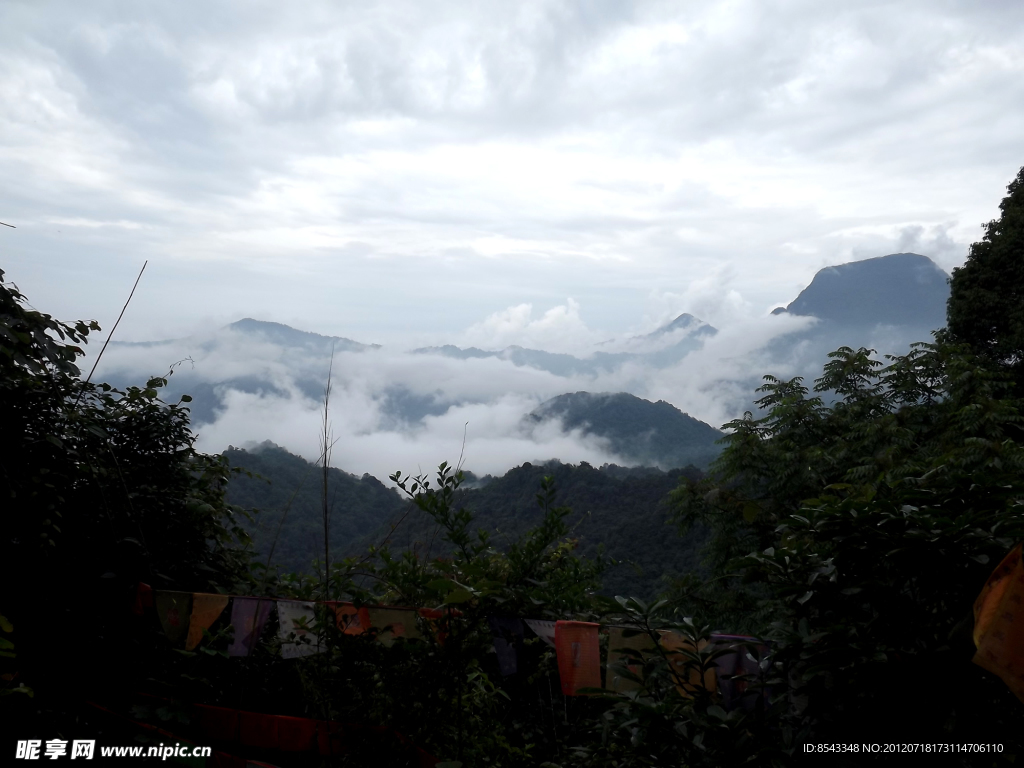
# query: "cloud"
[[266, 391], [391, 409], [559, 329], [387, 170], [712, 298]]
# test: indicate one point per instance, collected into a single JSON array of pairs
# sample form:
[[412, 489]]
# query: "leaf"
[[716, 711], [459, 596], [442, 585], [805, 597]]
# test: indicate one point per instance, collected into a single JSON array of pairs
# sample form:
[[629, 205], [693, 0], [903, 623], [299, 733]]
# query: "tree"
[[986, 300], [100, 489], [857, 536]]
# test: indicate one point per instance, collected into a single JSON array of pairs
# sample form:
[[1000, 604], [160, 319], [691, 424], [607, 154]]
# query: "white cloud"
[[480, 400], [491, 155], [559, 329]]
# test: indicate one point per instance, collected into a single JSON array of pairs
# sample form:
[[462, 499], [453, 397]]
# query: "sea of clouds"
[[394, 409]]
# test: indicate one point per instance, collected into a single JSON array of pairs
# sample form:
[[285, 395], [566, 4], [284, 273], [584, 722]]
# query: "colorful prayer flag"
[[618, 661], [394, 622], [545, 630], [508, 636], [351, 620], [143, 598], [738, 670], [682, 656], [999, 623], [579, 655], [248, 616], [439, 620], [173, 609], [295, 641], [205, 610]]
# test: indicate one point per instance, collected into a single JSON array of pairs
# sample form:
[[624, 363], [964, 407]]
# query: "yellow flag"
[[205, 610], [999, 623]]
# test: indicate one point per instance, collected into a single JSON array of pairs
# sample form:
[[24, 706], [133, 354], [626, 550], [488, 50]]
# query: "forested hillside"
[[620, 511], [641, 432], [286, 489]]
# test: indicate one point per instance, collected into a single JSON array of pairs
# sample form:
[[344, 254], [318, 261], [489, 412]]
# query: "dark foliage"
[[858, 536], [617, 510], [100, 489], [285, 486], [986, 302]]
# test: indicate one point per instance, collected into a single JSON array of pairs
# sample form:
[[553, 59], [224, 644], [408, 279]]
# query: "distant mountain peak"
[[693, 326], [279, 333], [897, 289], [685, 321]]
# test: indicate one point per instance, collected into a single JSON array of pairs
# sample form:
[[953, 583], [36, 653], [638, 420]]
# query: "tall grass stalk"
[[325, 454]]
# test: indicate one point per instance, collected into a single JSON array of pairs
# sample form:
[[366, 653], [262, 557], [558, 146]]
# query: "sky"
[[544, 173], [548, 174]]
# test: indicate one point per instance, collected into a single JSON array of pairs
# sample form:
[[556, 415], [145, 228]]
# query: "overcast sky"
[[490, 172]]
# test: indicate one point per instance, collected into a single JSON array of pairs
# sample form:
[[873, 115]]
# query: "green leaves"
[[986, 301], [861, 532]]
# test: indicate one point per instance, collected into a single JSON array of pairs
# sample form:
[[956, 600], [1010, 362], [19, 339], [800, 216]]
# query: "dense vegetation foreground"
[[850, 525]]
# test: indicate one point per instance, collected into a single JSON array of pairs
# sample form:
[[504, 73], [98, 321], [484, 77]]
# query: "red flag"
[[143, 598], [579, 655]]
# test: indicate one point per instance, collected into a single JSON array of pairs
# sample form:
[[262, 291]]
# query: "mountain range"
[[884, 303], [423, 396]]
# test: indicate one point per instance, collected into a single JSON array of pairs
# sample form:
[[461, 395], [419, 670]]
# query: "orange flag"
[[351, 620], [205, 610], [579, 655], [999, 623]]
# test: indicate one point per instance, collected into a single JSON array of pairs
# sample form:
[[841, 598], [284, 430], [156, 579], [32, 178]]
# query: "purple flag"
[[248, 615], [508, 636]]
